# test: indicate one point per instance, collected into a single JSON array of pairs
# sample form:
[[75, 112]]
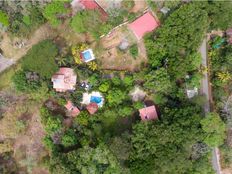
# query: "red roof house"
[[92, 108], [148, 113], [73, 110], [90, 5], [64, 80], [144, 24]]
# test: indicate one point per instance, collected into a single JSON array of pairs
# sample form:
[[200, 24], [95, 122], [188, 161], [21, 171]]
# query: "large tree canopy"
[[166, 146], [55, 11], [86, 160], [220, 13], [180, 35], [215, 130]]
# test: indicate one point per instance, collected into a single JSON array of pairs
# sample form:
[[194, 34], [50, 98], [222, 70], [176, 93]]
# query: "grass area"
[[6, 76]]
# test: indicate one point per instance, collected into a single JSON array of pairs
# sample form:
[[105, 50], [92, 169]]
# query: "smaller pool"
[[87, 55], [95, 99]]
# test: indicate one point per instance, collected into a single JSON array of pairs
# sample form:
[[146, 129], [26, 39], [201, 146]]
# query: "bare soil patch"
[[8, 44], [111, 58], [139, 6], [26, 137]]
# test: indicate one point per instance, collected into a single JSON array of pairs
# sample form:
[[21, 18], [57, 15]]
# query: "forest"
[[115, 140]]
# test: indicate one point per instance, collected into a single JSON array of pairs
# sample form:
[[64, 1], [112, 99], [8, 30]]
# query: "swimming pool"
[[95, 99], [88, 55]]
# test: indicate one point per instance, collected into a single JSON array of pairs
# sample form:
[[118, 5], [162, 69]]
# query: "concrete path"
[[5, 63], [206, 91], [205, 79]]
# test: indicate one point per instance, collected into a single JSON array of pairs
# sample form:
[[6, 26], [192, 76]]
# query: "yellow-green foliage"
[[76, 50], [6, 146], [92, 65], [4, 20]]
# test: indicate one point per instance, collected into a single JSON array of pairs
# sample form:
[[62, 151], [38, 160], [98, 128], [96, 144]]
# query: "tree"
[[115, 97], [69, 138], [26, 81], [214, 129], [54, 12], [172, 49], [166, 146], [85, 160], [41, 59], [128, 81], [219, 14], [104, 87], [87, 21], [158, 81], [125, 111]]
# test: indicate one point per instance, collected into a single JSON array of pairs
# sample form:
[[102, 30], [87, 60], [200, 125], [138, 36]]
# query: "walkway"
[[5, 63], [206, 91]]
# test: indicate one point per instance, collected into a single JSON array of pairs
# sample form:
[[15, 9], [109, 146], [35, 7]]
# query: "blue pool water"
[[96, 99], [87, 55]]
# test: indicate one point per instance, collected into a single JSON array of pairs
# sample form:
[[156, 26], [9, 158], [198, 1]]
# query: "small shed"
[[148, 113], [192, 92], [92, 108], [72, 110], [165, 10]]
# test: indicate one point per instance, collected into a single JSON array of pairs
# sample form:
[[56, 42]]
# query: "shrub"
[[22, 83], [4, 20], [41, 59], [89, 21], [104, 87], [69, 138], [128, 81], [125, 111], [54, 10], [115, 97], [134, 50]]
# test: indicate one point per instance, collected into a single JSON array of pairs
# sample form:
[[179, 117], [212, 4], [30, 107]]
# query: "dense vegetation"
[[115, 140]]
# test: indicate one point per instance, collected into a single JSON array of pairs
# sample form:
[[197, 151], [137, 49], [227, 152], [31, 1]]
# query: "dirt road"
[[205, 89]]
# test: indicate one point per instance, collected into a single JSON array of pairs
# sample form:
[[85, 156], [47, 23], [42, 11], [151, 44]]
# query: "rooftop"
[[92, 108], [148, 113], [73, 110], [144, 24], [89, 5], [64, 80]]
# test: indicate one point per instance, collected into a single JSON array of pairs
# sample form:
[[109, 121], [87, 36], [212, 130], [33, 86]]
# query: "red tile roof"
[[142, 25], [64, 80], [92, 108], [73, 110], [93, 5], [148, 113]]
